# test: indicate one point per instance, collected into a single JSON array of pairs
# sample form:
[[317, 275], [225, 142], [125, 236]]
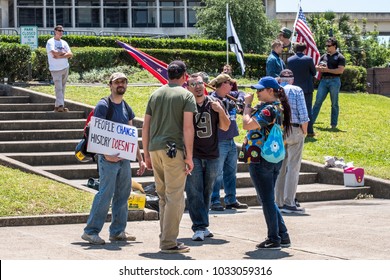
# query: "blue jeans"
[[264, 175], [333, 87], [198, 188], [115, 184], [227, 169]]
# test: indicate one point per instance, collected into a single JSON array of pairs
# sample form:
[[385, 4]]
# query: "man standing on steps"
[[227, 147], [58, 53], [211, 116], [114, 173], [168, 138], [287, 181]]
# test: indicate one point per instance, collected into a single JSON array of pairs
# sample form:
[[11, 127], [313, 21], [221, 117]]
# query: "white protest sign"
[[111, 138]]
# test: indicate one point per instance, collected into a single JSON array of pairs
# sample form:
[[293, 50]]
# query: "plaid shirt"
[[296, 99]]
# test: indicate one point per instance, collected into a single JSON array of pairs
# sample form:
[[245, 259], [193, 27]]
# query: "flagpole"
[[295, 23], [227, 24]]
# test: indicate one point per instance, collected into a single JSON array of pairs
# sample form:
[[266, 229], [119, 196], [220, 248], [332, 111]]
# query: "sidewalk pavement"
[[332, 230]]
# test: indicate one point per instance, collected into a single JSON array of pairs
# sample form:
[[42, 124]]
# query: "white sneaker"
[[198, 236], [93, 239], [208, 233]]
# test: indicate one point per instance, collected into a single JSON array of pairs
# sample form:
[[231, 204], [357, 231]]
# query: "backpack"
[[273, 149], [81, 149]]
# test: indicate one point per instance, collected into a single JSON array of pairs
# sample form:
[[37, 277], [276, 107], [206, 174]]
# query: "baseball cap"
[[116, 76], [221, 78], [266, 82], [286, 32], [286, 73], [177, 67]]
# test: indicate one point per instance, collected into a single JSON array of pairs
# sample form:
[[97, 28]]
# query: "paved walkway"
[[333, 230]]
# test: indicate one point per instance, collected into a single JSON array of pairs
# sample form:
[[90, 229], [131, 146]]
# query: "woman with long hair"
[[273, 108]]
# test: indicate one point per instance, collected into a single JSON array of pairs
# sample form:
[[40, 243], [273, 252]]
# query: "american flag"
[[156, 67], [304, 35]]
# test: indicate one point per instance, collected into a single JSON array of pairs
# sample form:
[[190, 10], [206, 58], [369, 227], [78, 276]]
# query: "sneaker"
[[198, 235], [62, 109], [311, 135], [176, 250], [268, 245], [208, 233], [292, 209], [217, 207], [297, 203], [93, 239], [237, 205], [123, 236], [285, 243]]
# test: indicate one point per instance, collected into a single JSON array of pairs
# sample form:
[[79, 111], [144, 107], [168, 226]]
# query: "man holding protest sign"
[[114, 169]]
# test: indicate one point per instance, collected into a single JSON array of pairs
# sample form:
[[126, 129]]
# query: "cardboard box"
[[137, 201], [353, 177]]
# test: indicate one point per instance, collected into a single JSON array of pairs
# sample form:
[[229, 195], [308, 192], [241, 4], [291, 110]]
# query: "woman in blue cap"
[[273, 108]]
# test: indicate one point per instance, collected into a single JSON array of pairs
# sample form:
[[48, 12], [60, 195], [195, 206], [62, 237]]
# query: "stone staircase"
[[32, 136]]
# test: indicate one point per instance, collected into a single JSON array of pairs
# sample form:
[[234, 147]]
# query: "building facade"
[[161, 17]]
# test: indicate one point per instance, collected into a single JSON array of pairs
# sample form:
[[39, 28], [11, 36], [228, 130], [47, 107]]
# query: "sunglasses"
[[60, 30], [194, 84], [328, 46]]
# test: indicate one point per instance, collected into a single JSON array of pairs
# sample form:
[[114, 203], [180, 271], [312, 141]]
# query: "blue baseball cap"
[[266, 82]]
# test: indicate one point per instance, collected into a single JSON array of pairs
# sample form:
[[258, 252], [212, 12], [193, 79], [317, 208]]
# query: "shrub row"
[[146, 43], [15, 58]]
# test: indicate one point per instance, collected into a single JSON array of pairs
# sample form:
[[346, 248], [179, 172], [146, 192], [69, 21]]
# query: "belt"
[[296, 125], [329, 77]]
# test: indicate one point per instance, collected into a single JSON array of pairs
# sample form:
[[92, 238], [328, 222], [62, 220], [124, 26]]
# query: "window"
[[63, 17], [87, 3], [30, 16], [144, 13], [191, 13], [171, 13], [115, 18], [87, 17]]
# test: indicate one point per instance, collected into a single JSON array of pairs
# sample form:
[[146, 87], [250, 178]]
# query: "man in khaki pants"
[[58, 53], [167, 138]]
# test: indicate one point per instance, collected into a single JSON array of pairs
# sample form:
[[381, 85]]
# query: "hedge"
[[147, 43], [15, 58]]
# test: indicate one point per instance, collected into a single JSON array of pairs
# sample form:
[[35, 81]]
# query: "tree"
[[360, 48], [253, 28]]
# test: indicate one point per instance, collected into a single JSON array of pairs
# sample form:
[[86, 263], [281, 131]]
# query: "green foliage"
[[89, 58], [360, 48], [110, 42], [253, 28], [14, 61]]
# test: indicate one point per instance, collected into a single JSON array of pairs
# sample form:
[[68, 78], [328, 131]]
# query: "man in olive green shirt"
[[168, 120]]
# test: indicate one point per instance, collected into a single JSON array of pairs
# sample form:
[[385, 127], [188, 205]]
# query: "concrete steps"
[[32, 134]]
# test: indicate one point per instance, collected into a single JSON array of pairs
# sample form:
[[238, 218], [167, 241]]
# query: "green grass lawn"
[[23, 194]]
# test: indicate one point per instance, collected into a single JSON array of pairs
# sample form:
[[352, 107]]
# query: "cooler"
[[353, 177]]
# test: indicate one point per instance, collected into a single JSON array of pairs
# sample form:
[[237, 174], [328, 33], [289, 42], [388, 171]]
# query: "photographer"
[[227, 166]]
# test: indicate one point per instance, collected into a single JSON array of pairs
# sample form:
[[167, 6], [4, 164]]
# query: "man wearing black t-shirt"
[[331, 66], [211, 115]]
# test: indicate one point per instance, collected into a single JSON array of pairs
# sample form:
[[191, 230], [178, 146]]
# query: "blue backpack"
[[273, 147]]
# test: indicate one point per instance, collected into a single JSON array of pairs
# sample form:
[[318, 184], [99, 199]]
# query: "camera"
[[171, 151]]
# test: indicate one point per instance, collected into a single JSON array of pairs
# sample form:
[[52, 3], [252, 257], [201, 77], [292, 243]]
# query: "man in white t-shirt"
[[58, 52]]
